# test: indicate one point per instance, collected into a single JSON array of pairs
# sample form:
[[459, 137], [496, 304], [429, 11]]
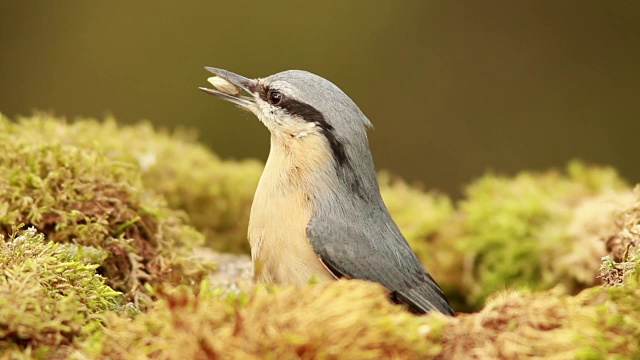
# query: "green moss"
[[533, 230], [215, 194], [350, 320], [76, 194], [607, 322], [599, 323], [98, 190], [522, 232], [353, 319], [49, 295]]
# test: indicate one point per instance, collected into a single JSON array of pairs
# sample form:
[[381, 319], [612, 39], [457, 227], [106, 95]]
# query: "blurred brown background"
[[453, 88]]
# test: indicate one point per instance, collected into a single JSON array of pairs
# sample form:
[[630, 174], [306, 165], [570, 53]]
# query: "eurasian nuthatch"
[[317, 211]]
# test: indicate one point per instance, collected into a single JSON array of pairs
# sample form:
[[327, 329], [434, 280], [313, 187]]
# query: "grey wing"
[[376, 251]]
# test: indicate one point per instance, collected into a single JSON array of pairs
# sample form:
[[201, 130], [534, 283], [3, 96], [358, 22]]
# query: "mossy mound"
[[347, 319], [536, 230], [598, 323], [533, 230], [50, 295], [521, 231], [95, 192], [354, 320], [79, 195], [215, 194]]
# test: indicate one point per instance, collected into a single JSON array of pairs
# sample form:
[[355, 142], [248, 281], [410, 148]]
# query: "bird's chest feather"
[[280, 213]]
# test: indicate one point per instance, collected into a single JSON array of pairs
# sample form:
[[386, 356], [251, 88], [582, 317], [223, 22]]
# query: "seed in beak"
[[223, 85]]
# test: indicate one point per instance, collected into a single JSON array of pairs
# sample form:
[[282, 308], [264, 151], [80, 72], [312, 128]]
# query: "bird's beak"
[[247, 85]]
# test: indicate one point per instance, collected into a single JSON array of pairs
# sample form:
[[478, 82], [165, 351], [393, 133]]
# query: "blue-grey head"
[[298, 107]]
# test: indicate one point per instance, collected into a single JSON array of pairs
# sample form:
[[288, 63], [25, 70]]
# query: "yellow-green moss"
[[79, 195], [522, 232], [98, 188], [49, 295], [354, 320], [215, 194], [348, 320], [598, 323], [533, 230]]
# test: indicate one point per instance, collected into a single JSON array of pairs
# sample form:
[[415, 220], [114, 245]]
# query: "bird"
[[317, 213]]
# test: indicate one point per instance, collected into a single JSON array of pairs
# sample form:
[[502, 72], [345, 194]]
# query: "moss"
[[79, 195], [623, 246], [215, 194], [598, 323], [349, 319], [49, 295], [353, 319], [609, 325], [536, 230], [97, 190]]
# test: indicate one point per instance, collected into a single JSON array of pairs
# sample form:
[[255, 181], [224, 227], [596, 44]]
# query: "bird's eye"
[[275, 97]]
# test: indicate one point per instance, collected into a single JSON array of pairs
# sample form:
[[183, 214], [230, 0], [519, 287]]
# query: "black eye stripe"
[[311, 114], [305, 111]]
